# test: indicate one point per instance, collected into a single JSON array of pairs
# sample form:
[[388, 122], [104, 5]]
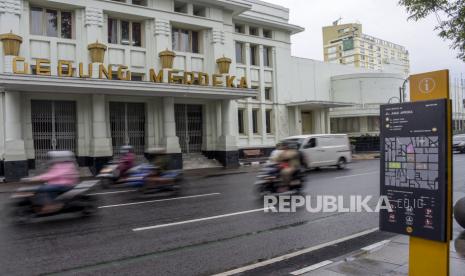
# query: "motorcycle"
[[109, 174], [269, 180], [24, 205], [148, 179]]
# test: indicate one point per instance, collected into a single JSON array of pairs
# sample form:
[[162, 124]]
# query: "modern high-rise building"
[[347, 44]]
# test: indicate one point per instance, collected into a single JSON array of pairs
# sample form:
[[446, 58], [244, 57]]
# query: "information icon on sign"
[[427, 85]]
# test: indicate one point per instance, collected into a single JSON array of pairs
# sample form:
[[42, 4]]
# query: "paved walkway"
[[387, 258]]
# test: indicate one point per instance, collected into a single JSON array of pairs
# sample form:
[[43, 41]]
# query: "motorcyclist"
[[161, 161], [276, 152], [127, 159], [61, 177], [290, 160]]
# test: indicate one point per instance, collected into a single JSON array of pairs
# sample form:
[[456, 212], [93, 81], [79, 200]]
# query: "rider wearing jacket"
[[290, 158], [61, 177], [126, 160]]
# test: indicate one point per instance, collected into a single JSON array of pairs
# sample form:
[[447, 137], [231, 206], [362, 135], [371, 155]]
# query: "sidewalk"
[[387, 258]]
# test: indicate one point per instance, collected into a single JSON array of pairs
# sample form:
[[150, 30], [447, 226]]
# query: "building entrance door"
[[307, 122], [127, 125], [53, 127], [188, 120]]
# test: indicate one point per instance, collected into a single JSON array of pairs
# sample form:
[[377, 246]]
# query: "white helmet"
[[61, 156], [126, 149]]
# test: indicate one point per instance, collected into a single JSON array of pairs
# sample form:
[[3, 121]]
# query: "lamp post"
[[402, 90]]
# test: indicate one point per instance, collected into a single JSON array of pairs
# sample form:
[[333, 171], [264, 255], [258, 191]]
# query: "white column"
[[100, 143], [14, 143], [170, 140], [297, 120], [363, 123], [10, 12], [228, 138], [328, 121], [162, 32], [94, 25]]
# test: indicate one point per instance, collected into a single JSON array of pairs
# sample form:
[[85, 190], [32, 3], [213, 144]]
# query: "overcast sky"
[[383, 19]]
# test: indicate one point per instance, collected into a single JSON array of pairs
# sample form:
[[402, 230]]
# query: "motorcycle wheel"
[[21, 214], [106, 183]]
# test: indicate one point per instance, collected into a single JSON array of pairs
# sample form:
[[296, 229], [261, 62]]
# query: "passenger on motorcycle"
[[127, 159], [61, 177], [290, 161]]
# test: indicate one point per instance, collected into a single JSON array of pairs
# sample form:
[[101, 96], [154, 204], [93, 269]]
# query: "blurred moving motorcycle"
[[116, 169], [24, 206], [60, 191]]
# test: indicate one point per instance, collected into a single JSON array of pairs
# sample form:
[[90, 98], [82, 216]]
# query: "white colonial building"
[[92, 75]]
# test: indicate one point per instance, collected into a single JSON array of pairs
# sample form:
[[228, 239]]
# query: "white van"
[[320, 150]]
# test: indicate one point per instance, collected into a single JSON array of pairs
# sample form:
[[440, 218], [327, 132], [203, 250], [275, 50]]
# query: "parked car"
[[458, 143], [321, 150]]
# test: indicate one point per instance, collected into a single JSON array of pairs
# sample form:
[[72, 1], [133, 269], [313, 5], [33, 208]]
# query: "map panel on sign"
[[412, 162]]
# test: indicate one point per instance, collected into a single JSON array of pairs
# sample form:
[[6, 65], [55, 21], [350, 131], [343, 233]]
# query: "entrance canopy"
[[34, 83], [311, 105]]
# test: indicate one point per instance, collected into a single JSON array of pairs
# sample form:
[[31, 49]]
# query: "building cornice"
[[38, 84], [271, 23]]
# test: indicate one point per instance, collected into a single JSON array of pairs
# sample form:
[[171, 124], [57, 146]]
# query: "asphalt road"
[[215, 225]]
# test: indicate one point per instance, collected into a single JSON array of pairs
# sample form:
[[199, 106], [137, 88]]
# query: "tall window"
[[185, 40], [199, 11], [180, 7], [254, 54], [267, 33], [240, 53], [238, 28], [50, 22], [139, 2], [268, 121], [240, 121], [253, 31], [255, 121], [267, 56], [268, 94], [124, 32]]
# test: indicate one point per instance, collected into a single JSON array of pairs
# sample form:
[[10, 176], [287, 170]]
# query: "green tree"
[[450, 15]]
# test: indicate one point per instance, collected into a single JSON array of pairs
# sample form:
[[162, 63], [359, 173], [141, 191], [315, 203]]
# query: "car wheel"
[[341, 163]]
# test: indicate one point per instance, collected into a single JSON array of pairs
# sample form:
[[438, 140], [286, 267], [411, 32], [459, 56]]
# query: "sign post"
[[416, 172]]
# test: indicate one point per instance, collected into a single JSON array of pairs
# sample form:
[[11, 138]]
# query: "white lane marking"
[[157, 200], [354, 175], [114, 192], [312, 267], [197, 220], [372, 247], [296, 253]]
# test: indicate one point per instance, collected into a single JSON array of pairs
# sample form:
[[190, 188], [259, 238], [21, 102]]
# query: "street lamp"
[[402, 90]]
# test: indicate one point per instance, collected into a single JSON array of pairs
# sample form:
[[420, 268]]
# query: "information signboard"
[[413, 168]]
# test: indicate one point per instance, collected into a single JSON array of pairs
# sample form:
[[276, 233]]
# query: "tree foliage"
[[450, 15]]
